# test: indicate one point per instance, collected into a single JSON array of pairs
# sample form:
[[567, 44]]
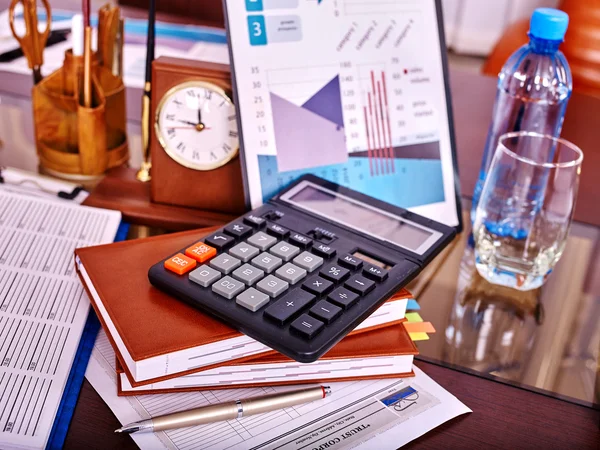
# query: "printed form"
[[369, 414], [43, 308]]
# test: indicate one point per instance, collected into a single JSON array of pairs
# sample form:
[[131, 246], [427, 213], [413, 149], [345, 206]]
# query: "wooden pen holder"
[[73, 141]]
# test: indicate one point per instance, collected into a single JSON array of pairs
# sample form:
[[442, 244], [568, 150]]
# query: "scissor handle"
[[32, 42]]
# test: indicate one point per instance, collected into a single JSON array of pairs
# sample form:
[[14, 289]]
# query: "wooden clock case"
[[219, 189]]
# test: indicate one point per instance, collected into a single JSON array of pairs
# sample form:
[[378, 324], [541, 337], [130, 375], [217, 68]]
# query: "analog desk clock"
[[194, 145]]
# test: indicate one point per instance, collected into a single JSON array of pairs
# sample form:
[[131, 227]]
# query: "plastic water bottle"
[[534, 87]]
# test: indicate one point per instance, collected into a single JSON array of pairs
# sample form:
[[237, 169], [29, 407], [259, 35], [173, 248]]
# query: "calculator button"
[[324, 250], [254, 221], [237, 230], [308, 261], [374, 272], [200, 252], [252, 299], [300, 240], [318, 285], [224, 263], [325, 311], [204, 275], [180, 264], [334, 272], [262, 240], [248, 274], [343, 297], [284, 250], [277, 230], [228, 287], [307, 326], [266, 262], [244, 251], [290, 273], [289, 306], [272, 286], [350, 261], [359, 284], [219, 241]]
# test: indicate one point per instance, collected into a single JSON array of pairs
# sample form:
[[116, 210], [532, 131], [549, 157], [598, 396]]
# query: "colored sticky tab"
[[180, 264], [419, 336], [201, 252], [413, 317], [419, 327], [412, 305]]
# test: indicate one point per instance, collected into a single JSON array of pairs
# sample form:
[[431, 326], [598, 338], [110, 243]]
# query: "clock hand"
[[199, 114], [187, 122]]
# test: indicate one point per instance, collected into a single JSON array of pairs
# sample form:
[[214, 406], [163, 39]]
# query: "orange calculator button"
[[201, 252], [180, 264]]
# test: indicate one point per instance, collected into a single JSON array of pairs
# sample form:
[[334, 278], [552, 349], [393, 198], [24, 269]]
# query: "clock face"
[[195, 124]]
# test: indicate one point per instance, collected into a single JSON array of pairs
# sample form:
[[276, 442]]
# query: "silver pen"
[[229, 410]]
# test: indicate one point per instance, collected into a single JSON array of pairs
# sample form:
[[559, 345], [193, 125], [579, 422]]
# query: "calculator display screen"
[[362, 217]]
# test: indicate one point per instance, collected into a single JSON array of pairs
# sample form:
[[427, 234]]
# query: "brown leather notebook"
[[386, 352], [157, 336]]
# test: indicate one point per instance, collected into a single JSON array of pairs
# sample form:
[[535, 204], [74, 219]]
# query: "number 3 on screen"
[[256, 29]]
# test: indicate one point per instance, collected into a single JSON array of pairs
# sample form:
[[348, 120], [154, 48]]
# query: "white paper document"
[[362, 414], [43, 308]]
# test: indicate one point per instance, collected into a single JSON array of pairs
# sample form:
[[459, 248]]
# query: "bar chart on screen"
[[335, 88]]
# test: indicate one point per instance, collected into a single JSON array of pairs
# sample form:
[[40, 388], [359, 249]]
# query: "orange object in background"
[[201, 252], [180, 264]]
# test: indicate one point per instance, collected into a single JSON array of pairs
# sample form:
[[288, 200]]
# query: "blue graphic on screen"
[[416, 181], [327, 102]]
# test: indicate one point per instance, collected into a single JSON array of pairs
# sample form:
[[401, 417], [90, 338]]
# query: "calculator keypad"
[[244, 252], [262, 240], [225, 263], [272, 286], [308, 261], [284, 250], [248, 274], [269, 270], [267, 262], [204, 275], [228, 287]]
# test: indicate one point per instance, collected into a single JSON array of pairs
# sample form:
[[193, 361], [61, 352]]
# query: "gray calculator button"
[[266, 262], [284, 250], [252, 299], [224, 263], [228, 287], [290, 273], [272, 286], [248, 274], [308, 261], [262, 240], [204, 275], [244, 251]]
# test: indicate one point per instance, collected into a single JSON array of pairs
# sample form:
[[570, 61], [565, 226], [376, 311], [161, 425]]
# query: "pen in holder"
[[80, 131]]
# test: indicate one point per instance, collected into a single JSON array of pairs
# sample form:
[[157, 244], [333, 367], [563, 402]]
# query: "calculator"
[[303, 270]]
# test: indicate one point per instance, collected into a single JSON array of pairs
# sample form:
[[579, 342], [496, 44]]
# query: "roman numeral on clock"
[[181, 147], [213, 157], [233, 134], [196, 155]]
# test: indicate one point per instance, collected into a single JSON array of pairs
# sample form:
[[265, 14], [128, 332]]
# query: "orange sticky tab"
[[201, 252], [180, 264], [419, 327]]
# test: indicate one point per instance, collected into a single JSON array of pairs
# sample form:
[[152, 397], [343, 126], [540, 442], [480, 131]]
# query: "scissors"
[[32, 42]]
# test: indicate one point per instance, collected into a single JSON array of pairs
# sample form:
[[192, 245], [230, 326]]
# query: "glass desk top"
[[546, 339]]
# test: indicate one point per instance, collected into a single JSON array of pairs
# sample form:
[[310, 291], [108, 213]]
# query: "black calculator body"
[[302, 271]]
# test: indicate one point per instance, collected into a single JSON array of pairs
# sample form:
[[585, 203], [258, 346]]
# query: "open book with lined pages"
[[43, 308]]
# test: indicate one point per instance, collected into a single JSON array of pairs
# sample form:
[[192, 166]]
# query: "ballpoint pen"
[[144, 172], [229, 411], [33, 41]]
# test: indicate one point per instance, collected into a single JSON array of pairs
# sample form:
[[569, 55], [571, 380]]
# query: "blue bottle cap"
[[549, 23]]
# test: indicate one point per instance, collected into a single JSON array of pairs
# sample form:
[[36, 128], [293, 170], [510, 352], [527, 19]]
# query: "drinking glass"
[[526, 208]]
